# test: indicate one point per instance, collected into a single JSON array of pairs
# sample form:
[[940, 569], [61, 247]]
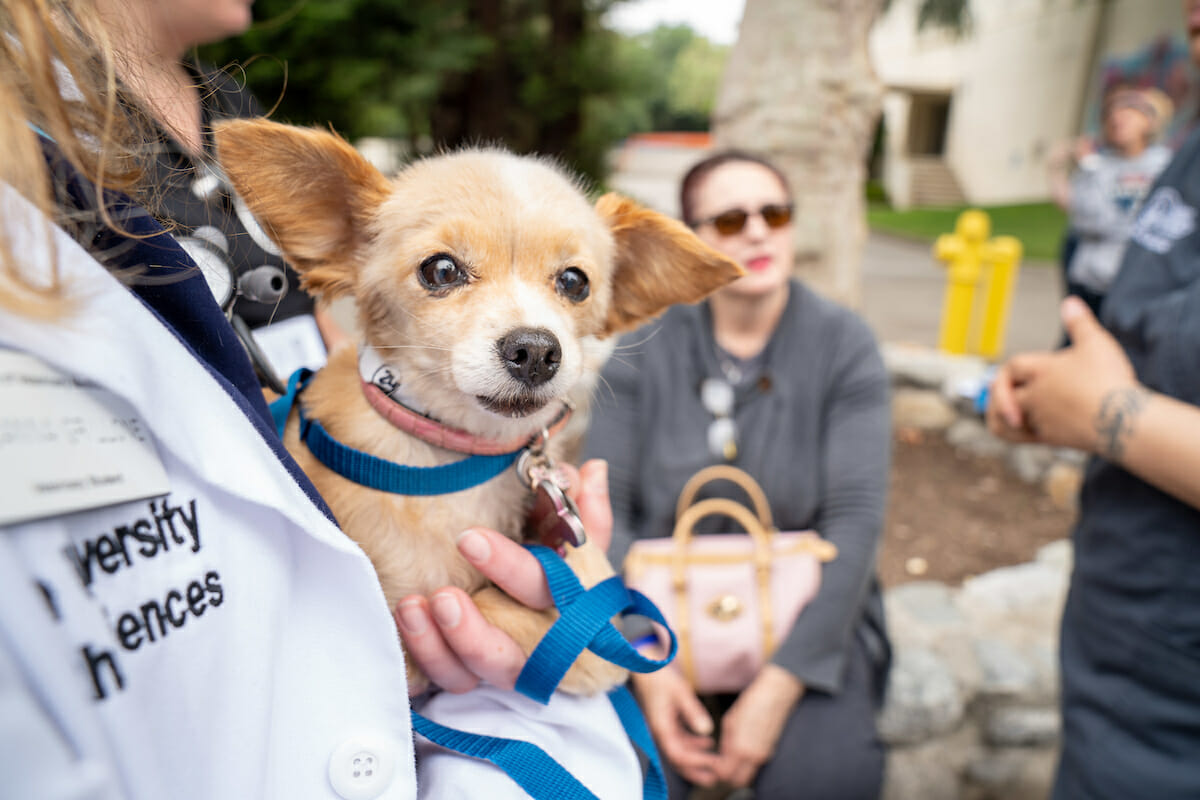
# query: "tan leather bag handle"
[[726, 472], [713, 506], [823, 549]]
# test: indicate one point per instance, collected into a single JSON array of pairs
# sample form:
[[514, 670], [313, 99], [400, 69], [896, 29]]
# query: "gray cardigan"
[[814, 430]]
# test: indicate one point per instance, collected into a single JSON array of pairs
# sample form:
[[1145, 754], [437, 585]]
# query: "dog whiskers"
[[632, 345], [603, 383], [430, 373], [619, 359], [413, 342]]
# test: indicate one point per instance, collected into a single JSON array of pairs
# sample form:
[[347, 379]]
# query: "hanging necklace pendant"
[[555, 518], [718, 398]]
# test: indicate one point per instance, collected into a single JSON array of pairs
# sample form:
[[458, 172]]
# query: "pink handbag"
[[730, 598]]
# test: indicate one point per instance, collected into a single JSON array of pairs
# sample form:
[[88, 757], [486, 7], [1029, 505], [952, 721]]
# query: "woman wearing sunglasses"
[[771, 378]]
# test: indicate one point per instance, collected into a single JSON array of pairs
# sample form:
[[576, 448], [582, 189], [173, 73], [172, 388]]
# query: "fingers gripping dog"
[[486, 285]]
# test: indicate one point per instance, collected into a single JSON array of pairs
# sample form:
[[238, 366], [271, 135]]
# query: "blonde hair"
[[57, 78], [1164, 110]]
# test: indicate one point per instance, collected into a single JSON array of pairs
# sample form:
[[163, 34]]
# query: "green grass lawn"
[[1039, 226]]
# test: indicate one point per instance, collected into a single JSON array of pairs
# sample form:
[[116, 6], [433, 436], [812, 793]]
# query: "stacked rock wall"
[[934, 392], [972, 707]]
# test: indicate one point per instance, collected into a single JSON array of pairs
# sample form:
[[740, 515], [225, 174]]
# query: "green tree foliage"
[[533, 75], [367, 67], [693, 82], [679, 74], [548, 71]]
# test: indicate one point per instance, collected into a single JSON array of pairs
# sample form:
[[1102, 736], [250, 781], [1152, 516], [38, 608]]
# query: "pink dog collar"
[[441, 435], [376, 375]]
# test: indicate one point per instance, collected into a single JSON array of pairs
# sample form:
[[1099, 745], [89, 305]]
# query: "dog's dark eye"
[[572, 284], [441, 272]]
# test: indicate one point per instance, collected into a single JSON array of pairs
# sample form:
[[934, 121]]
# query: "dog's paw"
[[527, 626], [591, 674], [589, 563]]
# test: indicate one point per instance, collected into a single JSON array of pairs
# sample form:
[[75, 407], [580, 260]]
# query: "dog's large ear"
[[310, 190], [659, 262]]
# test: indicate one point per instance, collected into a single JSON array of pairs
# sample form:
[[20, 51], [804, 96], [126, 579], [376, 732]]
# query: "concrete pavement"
[[903, 288]]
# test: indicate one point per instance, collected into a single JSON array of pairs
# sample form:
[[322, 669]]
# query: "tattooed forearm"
[[1115, 421]]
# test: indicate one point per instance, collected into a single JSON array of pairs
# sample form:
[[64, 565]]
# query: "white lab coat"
[[245, 652]]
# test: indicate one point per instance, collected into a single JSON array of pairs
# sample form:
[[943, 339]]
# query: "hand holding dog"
[[1062, 398], [447, 636]]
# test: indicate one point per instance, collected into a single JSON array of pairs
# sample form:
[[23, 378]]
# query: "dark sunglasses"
[[727, 223]]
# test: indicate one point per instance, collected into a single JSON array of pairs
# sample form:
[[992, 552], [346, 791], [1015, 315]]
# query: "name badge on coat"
[[68, 445]]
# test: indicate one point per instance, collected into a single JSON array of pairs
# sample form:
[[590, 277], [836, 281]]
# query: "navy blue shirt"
[[205, 213], [161, 274], [1131, 628]]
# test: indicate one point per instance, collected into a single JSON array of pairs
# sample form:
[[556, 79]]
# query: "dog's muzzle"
[[530, 355]]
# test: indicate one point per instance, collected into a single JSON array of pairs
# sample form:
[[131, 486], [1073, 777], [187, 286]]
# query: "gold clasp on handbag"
[[725, 608]]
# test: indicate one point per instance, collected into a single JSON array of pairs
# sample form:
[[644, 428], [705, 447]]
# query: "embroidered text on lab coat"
[[162, 529]]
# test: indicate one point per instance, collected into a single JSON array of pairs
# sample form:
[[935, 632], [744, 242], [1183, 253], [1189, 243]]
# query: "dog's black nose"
[[531, 355]]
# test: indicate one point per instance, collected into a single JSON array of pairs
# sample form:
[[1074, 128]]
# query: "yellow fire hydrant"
[[972, 324]]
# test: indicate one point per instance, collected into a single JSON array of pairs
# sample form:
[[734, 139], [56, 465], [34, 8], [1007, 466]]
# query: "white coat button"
[[362, 767]]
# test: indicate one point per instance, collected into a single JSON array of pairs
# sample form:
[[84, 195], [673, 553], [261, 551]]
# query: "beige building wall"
[[1017, 83]]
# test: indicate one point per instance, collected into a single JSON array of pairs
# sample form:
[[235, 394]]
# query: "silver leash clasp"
[[561, 522]]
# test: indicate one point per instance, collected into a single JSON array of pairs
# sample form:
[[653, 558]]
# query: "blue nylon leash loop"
[[585, 621], [532, 768], [655, 785], [528, 765], [585, 616], [281, 406], [377, 473]]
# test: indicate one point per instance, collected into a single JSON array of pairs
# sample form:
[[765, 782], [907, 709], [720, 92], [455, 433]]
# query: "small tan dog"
[[484, 282]]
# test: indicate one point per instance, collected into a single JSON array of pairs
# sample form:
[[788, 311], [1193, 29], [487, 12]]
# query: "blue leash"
[[585, 616], [377, 473], [585, 621]]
